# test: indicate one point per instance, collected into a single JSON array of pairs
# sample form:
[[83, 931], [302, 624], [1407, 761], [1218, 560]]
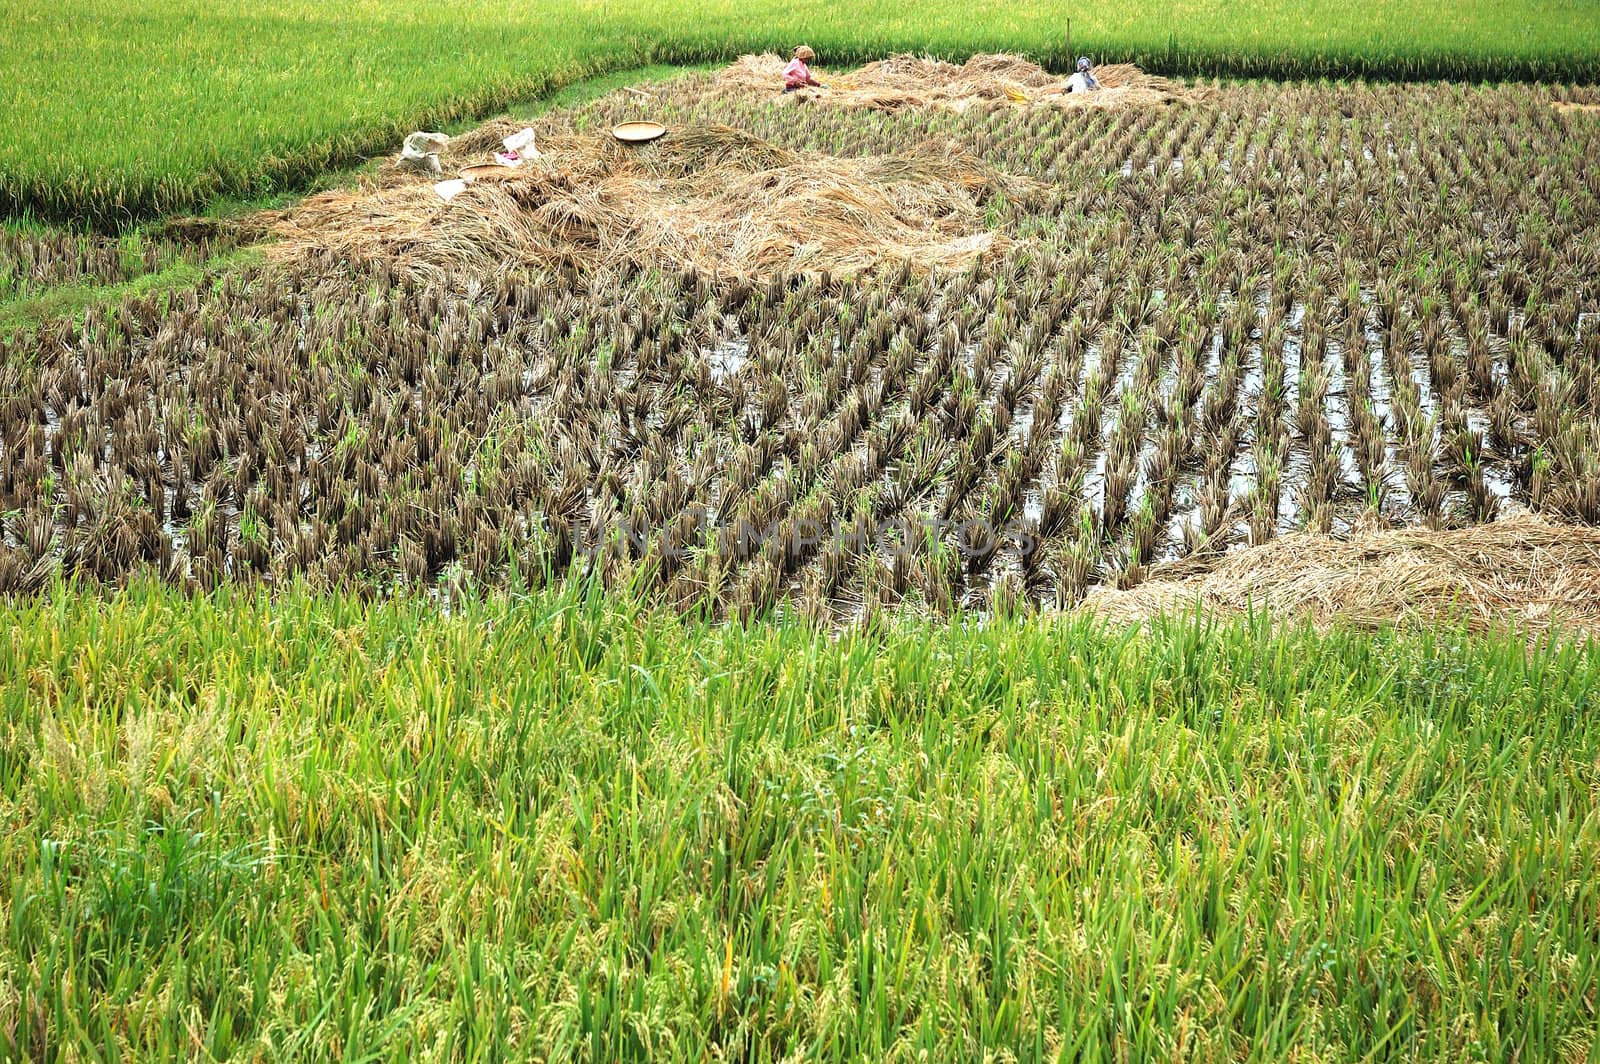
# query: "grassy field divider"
[[26, 313]]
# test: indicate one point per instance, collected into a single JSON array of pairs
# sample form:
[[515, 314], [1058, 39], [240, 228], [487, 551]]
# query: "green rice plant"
[[551, 824]]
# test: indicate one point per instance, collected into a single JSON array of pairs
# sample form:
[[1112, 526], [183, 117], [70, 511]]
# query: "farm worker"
[[797, 75], [1083, 80]]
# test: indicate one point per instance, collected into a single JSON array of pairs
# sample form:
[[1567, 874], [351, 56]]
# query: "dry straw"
[[1520, 570], [907, 81], [716, 199]]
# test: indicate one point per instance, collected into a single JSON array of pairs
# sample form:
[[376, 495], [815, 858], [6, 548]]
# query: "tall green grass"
[[118, 110], [313, 828]]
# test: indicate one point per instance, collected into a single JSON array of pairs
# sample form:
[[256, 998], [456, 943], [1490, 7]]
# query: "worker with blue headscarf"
[[1083, 80]]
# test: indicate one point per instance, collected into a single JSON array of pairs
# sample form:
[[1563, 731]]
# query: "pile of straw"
[[1521, 570], [905, 81], [715, 199]]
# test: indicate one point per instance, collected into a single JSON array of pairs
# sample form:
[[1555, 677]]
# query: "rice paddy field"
[[555, 827], [684, 601], [1178, 329], [120, 110]]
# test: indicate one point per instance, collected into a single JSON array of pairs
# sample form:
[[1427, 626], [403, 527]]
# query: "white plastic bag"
[[449, 190], [520, 143], [420, 153]]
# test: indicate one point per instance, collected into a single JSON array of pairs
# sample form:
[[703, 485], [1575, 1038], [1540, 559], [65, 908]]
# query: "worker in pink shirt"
[[797, 75]]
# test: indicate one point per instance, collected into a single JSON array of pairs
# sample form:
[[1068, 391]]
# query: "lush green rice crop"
[[315, 829], [118, 109]]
